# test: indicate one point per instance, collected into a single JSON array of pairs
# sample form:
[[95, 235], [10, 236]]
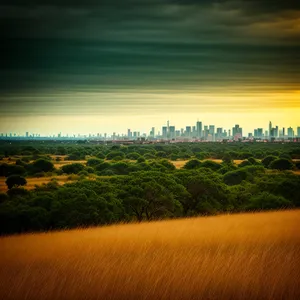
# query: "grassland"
[[62, 179], [245, 256]]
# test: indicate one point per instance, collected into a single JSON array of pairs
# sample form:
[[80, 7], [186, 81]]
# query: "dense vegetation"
[[139, 182]]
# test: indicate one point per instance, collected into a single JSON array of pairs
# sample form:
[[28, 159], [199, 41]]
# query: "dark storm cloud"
[[170, 44]]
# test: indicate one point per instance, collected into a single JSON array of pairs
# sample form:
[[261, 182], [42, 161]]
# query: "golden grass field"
[[243, 256]]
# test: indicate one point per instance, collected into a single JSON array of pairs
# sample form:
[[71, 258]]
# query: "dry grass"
[[180, 163], [33, 181], [246, 256]]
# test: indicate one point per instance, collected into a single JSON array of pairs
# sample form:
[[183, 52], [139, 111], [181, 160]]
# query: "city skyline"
[[121, 63], [198, 130]]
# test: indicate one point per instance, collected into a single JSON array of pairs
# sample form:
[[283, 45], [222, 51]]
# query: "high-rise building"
[[237, 132], [276, 131], [172, 132], [199, 129], [255, 133], [211, 129], [290, 132], [188, 131], [270, 129], [27, 134], [298, 132], [194, 132], [219, 133], [259, 133], [164, 132]]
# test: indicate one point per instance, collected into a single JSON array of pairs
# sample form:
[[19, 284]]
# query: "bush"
[[141, 159], [149, 156], [245, 163], [100, 155], [266, 200], [192, 164], [72, 168], [267, 160], [281, 164], [133, 156], [118, 158], [167, 164], [235, 177], [42, 165], [211, 165], [15, 181], [92, 162], [115, 154]]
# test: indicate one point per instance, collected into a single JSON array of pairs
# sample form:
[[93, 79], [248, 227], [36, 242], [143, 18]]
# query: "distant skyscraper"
[[298, 132], [164, 132], [290, 132], [259, 133], [199, 129], [255, 133], [172, 132], [27, 134], [237, 132], [188, 131], [219, 133], [270, 129]]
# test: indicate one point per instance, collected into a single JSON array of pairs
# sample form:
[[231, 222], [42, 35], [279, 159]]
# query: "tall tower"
[[199, 129], [270, 129]]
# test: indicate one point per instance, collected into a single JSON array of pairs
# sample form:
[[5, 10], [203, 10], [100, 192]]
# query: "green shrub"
[[15, 181], [281, 164], [192, 164], [72, 168]]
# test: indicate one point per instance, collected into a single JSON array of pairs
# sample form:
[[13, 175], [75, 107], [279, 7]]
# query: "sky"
[[106, 66]]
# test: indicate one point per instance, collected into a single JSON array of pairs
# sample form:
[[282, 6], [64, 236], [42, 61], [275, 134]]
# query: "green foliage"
[[227, 168], [192, 164], [245, 163], [100, 155], [116, 155], [143, 190], [133, 155], [15, 181], [211, 165], [281, 164], [235, 177], [9, 169], [266, 200], [72, 168], [92, 162], [42, 165], [141, 159], [267, 160]]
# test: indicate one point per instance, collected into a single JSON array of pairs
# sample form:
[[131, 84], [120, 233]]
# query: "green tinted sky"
[[104, 66]]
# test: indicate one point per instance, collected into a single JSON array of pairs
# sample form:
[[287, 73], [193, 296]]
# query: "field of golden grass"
[[33, 181], [245, 256]]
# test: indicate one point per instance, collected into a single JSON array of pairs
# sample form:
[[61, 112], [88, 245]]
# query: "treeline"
[[146, 195], [136, 183], [78, 151]]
